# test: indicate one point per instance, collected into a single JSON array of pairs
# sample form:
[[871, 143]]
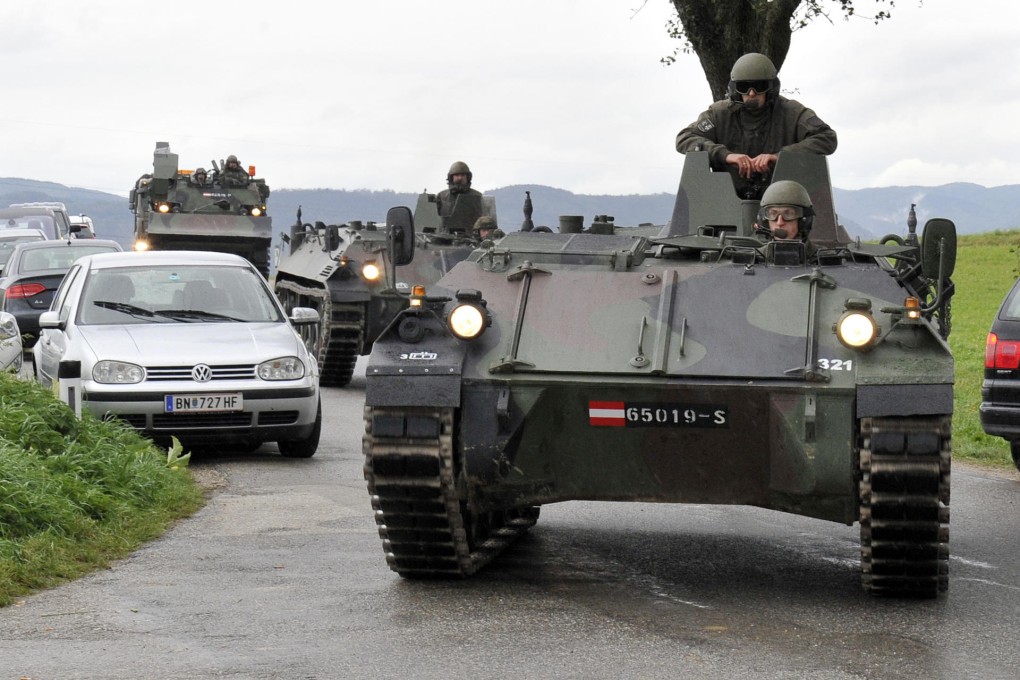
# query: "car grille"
[[278, 417], [136, 421], [175, 421], [229, 372]]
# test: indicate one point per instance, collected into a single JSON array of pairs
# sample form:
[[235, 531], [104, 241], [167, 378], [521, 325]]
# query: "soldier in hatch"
[[485, 228], [745, 133], [786, 214], [459, 205], [233, 174]]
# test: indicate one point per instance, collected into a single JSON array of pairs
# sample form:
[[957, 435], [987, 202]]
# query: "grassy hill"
[[986, 267]]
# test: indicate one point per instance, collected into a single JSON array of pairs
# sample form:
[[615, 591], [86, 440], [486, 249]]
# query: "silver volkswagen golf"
[[183, 343]]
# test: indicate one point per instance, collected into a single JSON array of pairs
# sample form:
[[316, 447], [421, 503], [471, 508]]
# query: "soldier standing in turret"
[[459, 205], [745, 133], [233, 174]]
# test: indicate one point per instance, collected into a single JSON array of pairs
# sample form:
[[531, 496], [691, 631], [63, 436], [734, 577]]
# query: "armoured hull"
[[622, 368], [346, 274]]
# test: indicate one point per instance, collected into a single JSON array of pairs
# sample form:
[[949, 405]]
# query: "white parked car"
[[11, 349], [184, 343]]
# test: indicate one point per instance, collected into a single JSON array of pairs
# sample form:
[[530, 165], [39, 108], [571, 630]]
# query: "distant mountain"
[[868, 213]]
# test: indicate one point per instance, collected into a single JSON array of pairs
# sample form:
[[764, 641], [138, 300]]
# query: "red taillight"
[[1002, 354], [25, 290]]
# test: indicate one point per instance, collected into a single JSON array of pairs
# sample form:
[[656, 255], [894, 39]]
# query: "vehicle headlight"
[[371, 271], [163, 208], [141, 245], [256, 211], [856, 329], [117, 373], [284, 368], [467, 321], [9, 328]]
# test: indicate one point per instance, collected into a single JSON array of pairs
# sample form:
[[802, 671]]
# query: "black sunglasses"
[[745, 86]]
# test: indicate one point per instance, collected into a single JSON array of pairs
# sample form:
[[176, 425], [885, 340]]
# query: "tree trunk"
[[721, 31]]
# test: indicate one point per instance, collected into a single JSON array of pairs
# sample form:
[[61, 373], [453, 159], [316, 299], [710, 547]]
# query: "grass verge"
[[76, 495], [986, 267]]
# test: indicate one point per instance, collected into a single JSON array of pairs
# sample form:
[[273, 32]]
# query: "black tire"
[[1014, 449], [304, 448]]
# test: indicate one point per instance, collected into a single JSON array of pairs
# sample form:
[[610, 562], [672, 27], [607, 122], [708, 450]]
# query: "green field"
[[986, 267]]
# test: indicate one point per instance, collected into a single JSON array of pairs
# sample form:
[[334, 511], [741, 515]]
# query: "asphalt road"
[[282, 575]]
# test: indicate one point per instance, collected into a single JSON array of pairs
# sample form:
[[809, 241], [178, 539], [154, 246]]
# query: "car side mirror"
[[301, 316], [400, 235], [50, 319], [938, 242]]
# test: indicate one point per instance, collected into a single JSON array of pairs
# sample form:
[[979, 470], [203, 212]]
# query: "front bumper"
[[269, 413]]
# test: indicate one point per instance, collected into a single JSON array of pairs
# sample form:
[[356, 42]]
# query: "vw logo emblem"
[[201, 373]]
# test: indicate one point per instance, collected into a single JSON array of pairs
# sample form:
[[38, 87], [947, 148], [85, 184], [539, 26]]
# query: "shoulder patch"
[[705, 125]]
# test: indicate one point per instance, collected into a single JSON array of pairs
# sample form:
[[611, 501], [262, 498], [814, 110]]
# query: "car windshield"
[[43, 223], [61, 256], [167, 294]]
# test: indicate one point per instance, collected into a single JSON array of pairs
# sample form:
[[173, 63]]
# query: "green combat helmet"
[[788, 192], [753, 68], [459, 168]]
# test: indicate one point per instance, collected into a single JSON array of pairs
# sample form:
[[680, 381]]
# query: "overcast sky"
[[385, 94]]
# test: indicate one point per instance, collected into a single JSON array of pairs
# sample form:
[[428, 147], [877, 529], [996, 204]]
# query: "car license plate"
[[203, 403]]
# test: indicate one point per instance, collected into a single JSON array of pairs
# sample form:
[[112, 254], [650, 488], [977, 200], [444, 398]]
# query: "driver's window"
[[60, 301]]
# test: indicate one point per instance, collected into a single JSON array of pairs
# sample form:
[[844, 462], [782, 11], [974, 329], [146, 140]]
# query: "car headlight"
[[117, 373], [284, 368], [9, 328]]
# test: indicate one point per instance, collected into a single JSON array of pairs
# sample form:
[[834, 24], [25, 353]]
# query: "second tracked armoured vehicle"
[[347, 273], [706, 364], [179, 209]]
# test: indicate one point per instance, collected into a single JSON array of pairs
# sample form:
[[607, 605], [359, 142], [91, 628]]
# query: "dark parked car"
[[1000, 391], [35, 270]]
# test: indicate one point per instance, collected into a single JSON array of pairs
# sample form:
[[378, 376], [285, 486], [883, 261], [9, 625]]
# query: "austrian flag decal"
[[606, 414]]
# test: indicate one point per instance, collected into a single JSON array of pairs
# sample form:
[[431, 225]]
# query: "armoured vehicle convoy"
[[705, 364], [347, 274], [182, 209]]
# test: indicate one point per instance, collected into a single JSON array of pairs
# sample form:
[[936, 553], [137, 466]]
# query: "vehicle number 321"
[[836, 364]]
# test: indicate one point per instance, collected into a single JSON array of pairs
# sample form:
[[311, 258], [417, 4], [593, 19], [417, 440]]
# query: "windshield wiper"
[[193, 315], [124, 308]]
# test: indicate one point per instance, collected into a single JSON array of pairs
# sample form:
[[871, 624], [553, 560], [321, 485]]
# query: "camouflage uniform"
[[233, 176]]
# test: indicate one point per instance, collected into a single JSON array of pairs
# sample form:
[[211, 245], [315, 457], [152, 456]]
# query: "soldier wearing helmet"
[[786, 211], [745, 133], [459, 205], [199, 177], [233, 174], [485, 228]]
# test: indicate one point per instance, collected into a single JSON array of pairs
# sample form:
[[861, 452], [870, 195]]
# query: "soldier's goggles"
[[788, 213], [745, 86]]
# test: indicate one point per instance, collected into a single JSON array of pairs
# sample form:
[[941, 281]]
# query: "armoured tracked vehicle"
[[174, 210], [347, 274], [701, 365]]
